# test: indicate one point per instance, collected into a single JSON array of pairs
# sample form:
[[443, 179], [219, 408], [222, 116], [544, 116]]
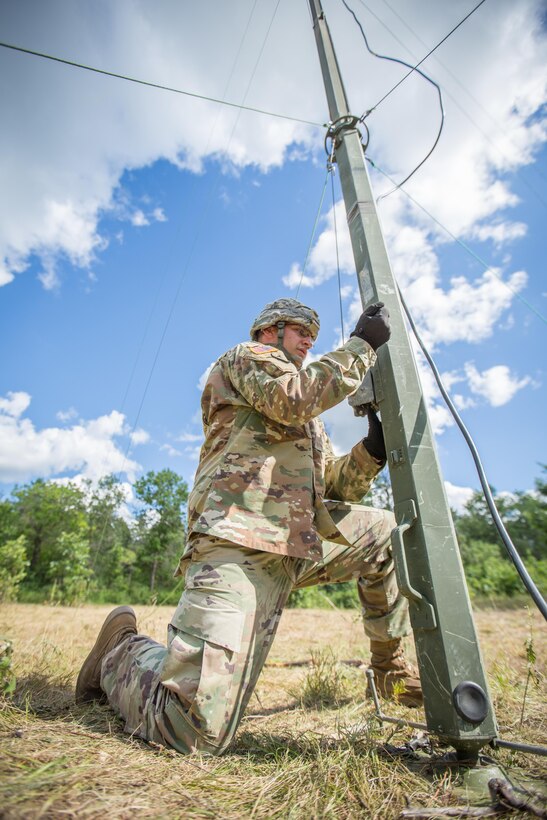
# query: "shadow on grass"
[[43, 695], [295, 706], [52, 699]]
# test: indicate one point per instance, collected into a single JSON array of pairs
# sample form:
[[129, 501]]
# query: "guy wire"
[[412, 68], [317, 215], [462, 244], [172, 90], [197, 234], [415, 67], [332, 169], [187, 264], [152, 310]]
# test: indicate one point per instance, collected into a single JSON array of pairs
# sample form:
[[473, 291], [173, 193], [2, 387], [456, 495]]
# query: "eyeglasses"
[[302, 331]]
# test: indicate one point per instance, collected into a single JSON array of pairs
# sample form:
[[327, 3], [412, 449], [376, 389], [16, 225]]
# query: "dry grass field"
[[308, 747]]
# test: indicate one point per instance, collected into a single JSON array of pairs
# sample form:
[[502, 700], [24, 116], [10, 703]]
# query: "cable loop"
[[347, 122]]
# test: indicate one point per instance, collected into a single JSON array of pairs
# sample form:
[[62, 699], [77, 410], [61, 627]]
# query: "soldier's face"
[[297, 340]]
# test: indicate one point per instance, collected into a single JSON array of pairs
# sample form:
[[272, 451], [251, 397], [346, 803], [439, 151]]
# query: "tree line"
[[67, 543]]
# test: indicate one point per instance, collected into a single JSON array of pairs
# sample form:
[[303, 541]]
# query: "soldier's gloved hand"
[[373, 325], [374, 440]]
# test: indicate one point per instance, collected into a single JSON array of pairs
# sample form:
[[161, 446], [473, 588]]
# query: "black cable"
[[422, 74], [464, 111], [504, 535], [158, 85], [429, 53]]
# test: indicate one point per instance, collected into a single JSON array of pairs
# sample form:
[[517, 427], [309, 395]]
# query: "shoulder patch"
[[255, 347]]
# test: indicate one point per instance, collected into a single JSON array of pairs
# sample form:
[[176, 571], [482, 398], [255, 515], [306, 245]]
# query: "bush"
[[70, 572], [342, 596], [489, 571], [7, 678], [13, 567], [324, 683]]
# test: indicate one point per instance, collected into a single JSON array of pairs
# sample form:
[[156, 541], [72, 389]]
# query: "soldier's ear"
[[267, 335]]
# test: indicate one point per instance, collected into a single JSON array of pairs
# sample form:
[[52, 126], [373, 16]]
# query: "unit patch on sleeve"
[[258, 348]]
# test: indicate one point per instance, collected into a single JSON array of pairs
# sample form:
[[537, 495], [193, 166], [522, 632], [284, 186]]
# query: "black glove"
[[374, 440], [373, 325]]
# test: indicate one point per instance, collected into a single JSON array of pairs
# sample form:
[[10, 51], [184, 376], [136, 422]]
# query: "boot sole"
[[84, 694]]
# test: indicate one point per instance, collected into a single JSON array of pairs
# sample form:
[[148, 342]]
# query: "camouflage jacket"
[[267, 464]]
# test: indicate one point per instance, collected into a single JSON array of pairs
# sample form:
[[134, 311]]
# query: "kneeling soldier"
[[259, 526]]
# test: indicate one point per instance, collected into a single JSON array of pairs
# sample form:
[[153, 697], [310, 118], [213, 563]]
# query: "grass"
[[309, 745]]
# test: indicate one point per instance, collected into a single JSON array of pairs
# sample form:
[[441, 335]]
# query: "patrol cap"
[[286, 310]]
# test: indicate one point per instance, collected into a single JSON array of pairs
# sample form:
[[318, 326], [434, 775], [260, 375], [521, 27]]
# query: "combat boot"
[[119, 625], [390, 668]]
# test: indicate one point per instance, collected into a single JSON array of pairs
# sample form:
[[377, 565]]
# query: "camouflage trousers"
[[192, 694]]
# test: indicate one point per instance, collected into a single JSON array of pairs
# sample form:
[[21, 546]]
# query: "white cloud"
[[322, 262], [193, 452], [88, 447], [500, 232], [457, 496], [139, 436], [170, 450], [63, 172], [496, 384], [14, 404], [138, 219], [67, 415], [189, 437], [204, 376]]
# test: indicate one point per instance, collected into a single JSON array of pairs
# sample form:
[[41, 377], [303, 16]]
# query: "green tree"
[[161, 523], [380, 494], [13, 567], [523, 513], [44, 511], [110, 541], [8, 520], [69, 571], [489, 570]]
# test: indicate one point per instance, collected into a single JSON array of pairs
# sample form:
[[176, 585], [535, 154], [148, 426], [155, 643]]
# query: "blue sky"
[[141, 231]]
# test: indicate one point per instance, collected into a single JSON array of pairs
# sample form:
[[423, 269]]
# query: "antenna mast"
[[427, 560]]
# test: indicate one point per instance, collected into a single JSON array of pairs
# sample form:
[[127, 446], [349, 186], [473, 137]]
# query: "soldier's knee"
[[387, 525]]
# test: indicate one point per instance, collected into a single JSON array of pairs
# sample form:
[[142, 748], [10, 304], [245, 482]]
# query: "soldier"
[[272, 510]]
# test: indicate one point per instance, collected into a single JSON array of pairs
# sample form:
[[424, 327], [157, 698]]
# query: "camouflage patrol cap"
[[286, 310]]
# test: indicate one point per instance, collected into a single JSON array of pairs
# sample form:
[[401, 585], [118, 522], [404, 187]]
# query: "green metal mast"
[[427, 559]]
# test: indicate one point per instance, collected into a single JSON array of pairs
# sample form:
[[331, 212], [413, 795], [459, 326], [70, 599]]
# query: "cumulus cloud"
[[14, 405], [63, 156], [89, 447], [501, 232], [189, 437], [64, 172], [139, 436], [171, 451], [496, 384], [322, 263], [457, 496], [67, 415], [466, 310], [464, 184]]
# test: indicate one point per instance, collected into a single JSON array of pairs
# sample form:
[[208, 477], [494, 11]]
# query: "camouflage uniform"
[[259, 527]]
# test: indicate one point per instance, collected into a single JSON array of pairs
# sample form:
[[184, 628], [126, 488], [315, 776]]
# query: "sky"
[[141, 230]]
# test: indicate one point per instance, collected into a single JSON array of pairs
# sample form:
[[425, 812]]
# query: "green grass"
[[309, 746]]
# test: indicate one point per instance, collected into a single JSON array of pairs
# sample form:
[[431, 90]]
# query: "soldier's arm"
[[349, 477], [273, 385]]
